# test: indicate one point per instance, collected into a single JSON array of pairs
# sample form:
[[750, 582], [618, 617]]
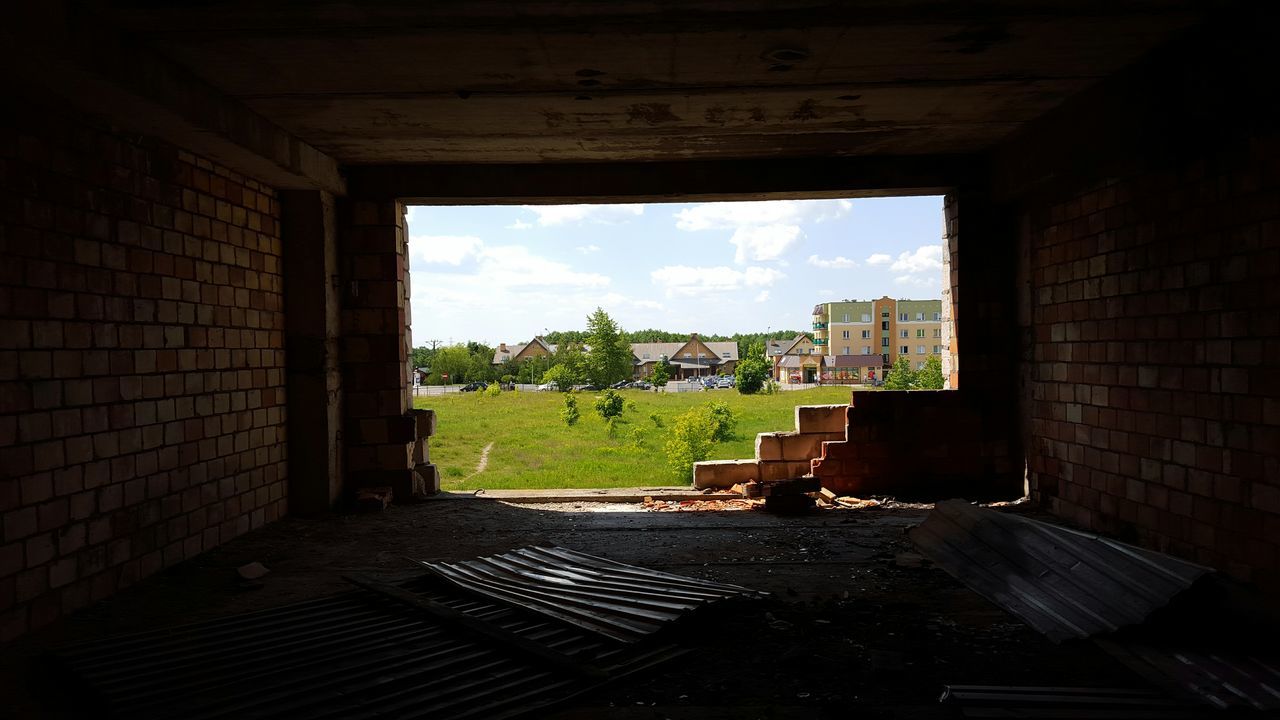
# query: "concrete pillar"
[[379, 430], [312, 327]]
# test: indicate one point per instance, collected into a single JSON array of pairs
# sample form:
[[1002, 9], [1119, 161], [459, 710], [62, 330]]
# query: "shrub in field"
[[753, 370], [693, 434], [656, 418], [493, 390], [637, 438], [901, 376], [570, 412], [930, 377], [689, 441], [609, 405], [631, 405], [723, 421], [611, 426]]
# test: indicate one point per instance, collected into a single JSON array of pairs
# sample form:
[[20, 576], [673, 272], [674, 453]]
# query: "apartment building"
[[886, 327]]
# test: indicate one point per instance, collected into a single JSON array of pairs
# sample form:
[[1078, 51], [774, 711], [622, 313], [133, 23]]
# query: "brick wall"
[[1147, 216], [1154, 404], [141, 381]]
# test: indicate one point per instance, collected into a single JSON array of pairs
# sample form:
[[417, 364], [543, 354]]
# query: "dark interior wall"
[[141, 359], [1150, 305]]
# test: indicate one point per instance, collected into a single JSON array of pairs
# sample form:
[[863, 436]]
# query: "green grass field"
[[533, 448]]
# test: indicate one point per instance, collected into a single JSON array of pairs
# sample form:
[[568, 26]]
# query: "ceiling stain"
[[807, 110], [651, 113]]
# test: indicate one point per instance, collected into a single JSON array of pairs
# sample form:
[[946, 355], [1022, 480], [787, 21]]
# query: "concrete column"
[[380, 432], [312, 327]]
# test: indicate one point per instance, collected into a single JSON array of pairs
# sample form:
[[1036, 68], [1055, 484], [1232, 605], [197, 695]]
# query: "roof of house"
[[795, 361], [500, 357], [725, 351], [794, 342]]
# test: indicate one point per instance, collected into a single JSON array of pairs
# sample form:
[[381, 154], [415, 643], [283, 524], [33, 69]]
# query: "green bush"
[[901, 376], [493, 390], [930, 377], [609, 405], [631, 405], [689, 441], [693, 434], [637, 438], [656, 418], [570, 412], [611, 426], [723, 421]]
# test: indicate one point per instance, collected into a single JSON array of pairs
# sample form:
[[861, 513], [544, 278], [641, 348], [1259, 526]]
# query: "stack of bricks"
[[141, 362], [379, 431], [926, 444], [779, 455], [1154, 400]]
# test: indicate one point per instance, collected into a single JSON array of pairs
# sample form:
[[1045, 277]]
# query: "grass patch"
[[533, 448]]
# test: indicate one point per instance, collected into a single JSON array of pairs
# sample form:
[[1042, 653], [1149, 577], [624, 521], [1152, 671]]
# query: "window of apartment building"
[[846, 317], [902, 333], [866, 317], [937, 316], [919, 349], [844, 334], [919, 316], [884, 342], [846, 350], [884, 314], [902, 317], [866, 349], [920, 333], [920, 366], [937, 332], [866, 334], [904, 350], [937, 349], [884, 325]]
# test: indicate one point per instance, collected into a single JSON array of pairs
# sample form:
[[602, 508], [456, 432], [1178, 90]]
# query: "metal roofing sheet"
[[1052, 703], [1064, 583], [1224, 678], [620, 601], [359, 654]]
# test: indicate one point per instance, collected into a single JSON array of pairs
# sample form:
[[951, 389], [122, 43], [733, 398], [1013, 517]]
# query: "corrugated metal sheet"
[[1052, 703], [1222, 678], [623, 602], [1064, 583], [359, 654]]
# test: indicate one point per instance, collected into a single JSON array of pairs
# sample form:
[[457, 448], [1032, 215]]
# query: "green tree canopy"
[[609, 358], [752, 370], [901, 376], [930, 376], [661, 371]]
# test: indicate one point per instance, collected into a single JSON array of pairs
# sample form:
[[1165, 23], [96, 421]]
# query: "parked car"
[[621, 384], [472, 386], [592, 388], [549, 387], [725, 382]]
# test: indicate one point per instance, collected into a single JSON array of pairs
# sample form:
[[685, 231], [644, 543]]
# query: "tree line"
[[599, 354]]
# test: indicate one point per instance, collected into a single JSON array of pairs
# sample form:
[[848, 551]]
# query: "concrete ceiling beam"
[[564, 183], [49, 46]]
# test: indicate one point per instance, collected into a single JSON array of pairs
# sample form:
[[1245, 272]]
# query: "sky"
[[506, 273]]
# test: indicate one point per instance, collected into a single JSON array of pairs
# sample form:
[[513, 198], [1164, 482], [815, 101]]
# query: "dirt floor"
[[856, 622]]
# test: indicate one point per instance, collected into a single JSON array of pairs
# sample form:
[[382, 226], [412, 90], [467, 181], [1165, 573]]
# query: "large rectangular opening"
[[506, 300]]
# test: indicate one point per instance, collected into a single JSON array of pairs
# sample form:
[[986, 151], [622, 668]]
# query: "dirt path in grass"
[[484, 461]]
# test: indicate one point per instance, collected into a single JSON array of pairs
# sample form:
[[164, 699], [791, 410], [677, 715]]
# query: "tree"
[[562, 376], [752, 370], [930, 377], [422, 357], [609, 359], [901, 376], [609, 405], [661, 371], [453, 361]]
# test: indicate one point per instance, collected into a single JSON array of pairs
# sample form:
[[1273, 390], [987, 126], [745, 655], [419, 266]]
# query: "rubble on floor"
[[498, 637]]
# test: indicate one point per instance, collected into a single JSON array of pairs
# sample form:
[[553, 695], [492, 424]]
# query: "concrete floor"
[[853, 622]]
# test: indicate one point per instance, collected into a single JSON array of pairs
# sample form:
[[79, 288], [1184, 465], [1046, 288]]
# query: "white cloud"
[[684, 280], [836, 262], [879, 259], [765, 242], [444, 249], [732, 215], [762, 230], [915, 281], [519, 225], [562, 214], [587, 249], [926, 258], [763, 296]]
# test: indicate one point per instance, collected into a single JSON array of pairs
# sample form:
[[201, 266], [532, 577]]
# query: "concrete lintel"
[[46, 45], [558, 183]]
